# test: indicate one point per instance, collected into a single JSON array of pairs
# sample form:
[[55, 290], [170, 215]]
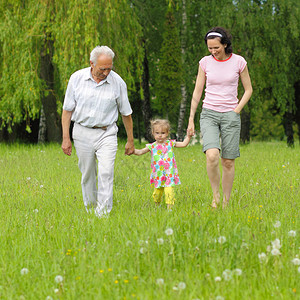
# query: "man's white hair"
[[99, 50]]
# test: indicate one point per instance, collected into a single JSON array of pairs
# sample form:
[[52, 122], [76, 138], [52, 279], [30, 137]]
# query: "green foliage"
[[170, 70], [45, 229], [75, 27]]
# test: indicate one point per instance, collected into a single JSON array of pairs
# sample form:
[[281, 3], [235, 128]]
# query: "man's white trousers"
[[94, 145]]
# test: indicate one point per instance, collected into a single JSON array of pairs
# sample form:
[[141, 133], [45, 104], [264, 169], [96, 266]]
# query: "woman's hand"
[[191, 128]]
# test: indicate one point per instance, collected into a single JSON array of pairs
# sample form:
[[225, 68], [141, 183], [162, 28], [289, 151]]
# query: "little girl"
[[164, 173]]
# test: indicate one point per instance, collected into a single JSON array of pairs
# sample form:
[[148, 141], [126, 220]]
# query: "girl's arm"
[[141, 151], [246, 81], [184, 143]]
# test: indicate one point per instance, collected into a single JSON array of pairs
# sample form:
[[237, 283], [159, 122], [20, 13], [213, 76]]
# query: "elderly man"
[[93, 99]]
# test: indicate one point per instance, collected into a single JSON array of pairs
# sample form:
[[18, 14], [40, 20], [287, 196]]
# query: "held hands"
[[67, 146], [191, 128], [129, 148]]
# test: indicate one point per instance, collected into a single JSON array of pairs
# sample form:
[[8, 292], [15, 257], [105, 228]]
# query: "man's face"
[[102, 68]]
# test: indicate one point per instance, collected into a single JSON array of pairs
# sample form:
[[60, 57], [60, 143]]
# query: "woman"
[[220, 116]]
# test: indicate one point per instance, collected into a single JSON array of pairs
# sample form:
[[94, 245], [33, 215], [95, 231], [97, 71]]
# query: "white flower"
[[24, 271], [244, 245], [277, 224], [276, 244], [181, 285], [175, 288], [128, 243], [219, 298], [169, 231], [296, 261], [143, 250], [59, 279], [275, 252], [227, 274], [207, 275], [160, 281], [56, 291], [36, 210], [41, 186], [28, 178], [262, 256], [218, 278], [222, 239], [292, 233], [238, 272], [160, 241]]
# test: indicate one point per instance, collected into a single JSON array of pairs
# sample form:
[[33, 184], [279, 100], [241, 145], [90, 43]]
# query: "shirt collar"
[[88, 76]]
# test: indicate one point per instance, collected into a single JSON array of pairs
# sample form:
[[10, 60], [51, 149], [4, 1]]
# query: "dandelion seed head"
[[262, 256], [276, 244], [160, 281], [292, 233], [218, 278], [296, 261], [160, 241], [169, 231], [128, 243], [59, 279], [181, 285], [275, 252], [227, 274], [24, 271], [143, 250], [222, 239], [277, 224], [238, 272], [56, 291]]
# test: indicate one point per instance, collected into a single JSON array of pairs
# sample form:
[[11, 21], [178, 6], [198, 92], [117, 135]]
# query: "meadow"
[[52, 249]]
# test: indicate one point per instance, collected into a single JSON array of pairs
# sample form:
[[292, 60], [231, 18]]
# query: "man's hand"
[[67, 146], [129, 148]]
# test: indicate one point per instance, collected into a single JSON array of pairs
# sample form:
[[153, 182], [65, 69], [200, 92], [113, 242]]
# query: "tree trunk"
[[180, 133], [146, 107], [245, 126], [53, 123], [288, 127], [297, 104], [42, 127]]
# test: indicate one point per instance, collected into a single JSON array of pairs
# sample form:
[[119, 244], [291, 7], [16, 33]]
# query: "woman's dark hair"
[[225, 39]]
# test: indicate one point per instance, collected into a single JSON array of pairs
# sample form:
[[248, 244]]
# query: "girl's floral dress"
[[164, 169]]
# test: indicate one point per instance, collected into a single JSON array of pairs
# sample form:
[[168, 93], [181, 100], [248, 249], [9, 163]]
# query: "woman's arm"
[[246, 81], [196, 99], [141, 151]]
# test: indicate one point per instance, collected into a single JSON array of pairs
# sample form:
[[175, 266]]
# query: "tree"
[[170, 70], [51, 41]]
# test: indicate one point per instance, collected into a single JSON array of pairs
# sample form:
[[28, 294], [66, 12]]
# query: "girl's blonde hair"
[[162, 123]]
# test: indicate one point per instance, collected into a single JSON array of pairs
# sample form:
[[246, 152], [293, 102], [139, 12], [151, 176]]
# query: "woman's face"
[[216, 48]]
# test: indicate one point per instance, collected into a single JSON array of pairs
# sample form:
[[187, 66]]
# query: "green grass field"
[[52, 249]]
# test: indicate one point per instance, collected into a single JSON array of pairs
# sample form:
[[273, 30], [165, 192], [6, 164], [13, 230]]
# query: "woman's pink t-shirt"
[[222, 79]]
